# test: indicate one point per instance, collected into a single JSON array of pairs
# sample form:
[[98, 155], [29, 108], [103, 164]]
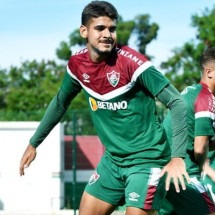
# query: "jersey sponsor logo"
[[133, 196], [95, 105], [113, 78], [94, 177], [130, 56]]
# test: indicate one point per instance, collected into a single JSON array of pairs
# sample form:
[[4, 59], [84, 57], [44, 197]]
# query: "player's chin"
[[106, 49]]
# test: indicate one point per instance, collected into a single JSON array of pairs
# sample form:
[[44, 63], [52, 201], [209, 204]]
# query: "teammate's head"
[[207, 62], [207, 58], [97, 9]]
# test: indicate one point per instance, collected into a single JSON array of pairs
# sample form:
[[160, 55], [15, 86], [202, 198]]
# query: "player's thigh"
[[138, 211], [194, 200], [145, 189], [92, 206], [106, 183]]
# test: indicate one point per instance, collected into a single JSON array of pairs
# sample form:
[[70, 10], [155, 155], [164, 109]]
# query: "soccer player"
[[120, 86], [200, 100]]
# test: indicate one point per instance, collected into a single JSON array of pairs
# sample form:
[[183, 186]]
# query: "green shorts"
[[134, 186], [195, 200]]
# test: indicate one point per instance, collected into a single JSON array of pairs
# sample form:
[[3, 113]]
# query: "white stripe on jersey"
[[140, 70], [106, 96], [118, 91], [205, 114]]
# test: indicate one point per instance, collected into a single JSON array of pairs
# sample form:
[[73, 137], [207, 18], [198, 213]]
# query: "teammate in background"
[[120, 86], [200, 100]]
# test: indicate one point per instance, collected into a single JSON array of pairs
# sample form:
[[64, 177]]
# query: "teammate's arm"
[[201, 148], [208, 170], [212, 143], [202, 144]]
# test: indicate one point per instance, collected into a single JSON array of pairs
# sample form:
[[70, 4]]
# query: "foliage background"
[[26, 90]]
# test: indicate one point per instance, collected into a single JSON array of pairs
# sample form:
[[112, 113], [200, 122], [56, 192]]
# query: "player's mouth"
[[108, 41]]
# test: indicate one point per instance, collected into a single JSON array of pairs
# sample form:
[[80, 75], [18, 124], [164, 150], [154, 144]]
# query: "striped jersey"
[[200, 118]]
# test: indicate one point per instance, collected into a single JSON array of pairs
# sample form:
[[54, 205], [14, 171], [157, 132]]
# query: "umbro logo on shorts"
[[134, 196], [94, 177]]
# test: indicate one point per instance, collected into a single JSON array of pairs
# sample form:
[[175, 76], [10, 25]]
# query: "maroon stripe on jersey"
[[205, 100], [209, 202], [149, 197]]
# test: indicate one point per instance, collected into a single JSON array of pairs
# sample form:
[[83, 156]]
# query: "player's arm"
[[212, 143], [176, 168], [173, 100], [208, 170], [201, 150], [55, 111]]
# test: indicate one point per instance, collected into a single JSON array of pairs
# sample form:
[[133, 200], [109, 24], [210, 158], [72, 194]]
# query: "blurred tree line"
[[25, 91]]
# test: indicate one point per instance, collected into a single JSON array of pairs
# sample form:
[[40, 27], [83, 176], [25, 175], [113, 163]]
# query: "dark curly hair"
[[96, 9], [207, 56]]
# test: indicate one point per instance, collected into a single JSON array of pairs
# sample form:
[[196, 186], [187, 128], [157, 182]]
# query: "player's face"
[[101, 37]]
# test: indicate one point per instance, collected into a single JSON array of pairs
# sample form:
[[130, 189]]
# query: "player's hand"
[[28, 156], [176, 171]]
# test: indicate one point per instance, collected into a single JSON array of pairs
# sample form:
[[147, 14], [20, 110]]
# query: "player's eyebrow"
[[101, 27]]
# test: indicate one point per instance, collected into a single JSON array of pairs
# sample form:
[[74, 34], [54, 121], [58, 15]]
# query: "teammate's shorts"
[[207, 180], [134, 186], [195, 200], [210, 184]]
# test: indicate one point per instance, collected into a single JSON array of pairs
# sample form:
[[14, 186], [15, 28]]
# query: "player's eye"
[[112, 29], [99, 27]]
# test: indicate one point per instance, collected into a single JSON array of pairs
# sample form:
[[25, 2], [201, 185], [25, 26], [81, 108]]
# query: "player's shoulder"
[[77, 58], [129, 54], [79, 55], [204, 99]]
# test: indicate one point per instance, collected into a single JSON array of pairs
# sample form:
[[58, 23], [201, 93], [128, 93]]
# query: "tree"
[[124, 30], [30, 88], [26, 91], [145, 32], [139, 27], [183, 68]]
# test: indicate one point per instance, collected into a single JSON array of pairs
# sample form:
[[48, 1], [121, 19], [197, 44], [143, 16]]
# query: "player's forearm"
[[200, 150], [200, 159], [212, 143], [52, 116], [173, 100], [56, 109], [208, 170]]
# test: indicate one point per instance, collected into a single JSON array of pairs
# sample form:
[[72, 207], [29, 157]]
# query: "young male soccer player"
[[200, 100], [120, 86]]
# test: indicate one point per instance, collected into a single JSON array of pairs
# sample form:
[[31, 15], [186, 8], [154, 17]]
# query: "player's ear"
[[208, 72], [83, 31]]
